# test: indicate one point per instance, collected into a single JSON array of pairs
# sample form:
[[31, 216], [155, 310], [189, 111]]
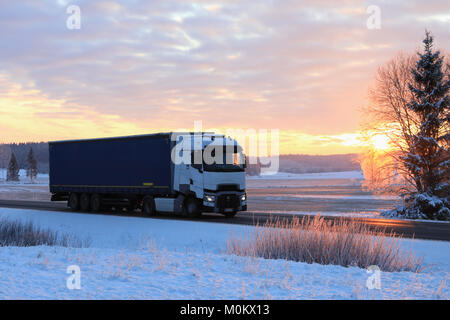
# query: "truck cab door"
[[196, 180], [181, 178]]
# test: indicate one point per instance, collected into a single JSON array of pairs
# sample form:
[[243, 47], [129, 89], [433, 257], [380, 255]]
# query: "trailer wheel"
[[74, 202], [148, 206], [85, 202], [131, 206], [192, 208], [96, 202]]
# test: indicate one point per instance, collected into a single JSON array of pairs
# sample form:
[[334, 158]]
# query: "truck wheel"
[[96, 203], [85, 202], [148, 206], [74, 202], [192, 208]]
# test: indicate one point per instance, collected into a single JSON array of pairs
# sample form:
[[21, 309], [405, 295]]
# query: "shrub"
[[422, 206], [315, 240], [26, 234]]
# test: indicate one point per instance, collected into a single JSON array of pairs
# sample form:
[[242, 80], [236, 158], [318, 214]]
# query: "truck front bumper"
[[225, 202], [220, 210]]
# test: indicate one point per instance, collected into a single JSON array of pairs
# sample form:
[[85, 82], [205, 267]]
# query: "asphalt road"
[[406, 228]]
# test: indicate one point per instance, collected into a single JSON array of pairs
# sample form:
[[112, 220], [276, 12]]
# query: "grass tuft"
[[316, 240], [26, 234]]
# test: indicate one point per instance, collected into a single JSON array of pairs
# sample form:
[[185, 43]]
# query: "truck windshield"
[[233, 163]]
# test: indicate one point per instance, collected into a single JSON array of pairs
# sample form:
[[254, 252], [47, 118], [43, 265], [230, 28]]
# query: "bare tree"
[[381, 173], [409, 106], [388, 115]]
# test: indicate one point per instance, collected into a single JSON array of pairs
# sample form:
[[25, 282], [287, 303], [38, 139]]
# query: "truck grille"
[[228, 201], [228, 187]]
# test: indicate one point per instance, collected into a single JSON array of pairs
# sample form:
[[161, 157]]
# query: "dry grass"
[[315, 240], [26, 234]]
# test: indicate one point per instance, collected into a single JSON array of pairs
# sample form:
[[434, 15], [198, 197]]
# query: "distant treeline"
[[302, 163], [294, 163], [21, 151]]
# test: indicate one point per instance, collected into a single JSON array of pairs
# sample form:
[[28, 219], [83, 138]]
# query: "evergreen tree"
[[5, 155], [428, 158], [31, 165], [13, 169]]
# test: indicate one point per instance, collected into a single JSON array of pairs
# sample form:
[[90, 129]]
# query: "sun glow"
[[380, 142]]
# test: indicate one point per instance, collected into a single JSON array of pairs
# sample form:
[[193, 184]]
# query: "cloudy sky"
[[303, 67]]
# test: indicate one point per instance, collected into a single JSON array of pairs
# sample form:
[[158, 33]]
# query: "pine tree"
[[428, 158], [31, 165], [13, 169]]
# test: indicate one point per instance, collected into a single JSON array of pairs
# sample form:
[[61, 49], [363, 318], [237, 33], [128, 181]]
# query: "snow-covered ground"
[[139, 258], [24, 189], [42, 178], [325, 193]]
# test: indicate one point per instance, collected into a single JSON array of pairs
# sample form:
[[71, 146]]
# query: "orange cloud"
[[26, 114]]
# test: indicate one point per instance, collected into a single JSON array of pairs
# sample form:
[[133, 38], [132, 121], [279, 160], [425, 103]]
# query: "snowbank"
[[139, 258]]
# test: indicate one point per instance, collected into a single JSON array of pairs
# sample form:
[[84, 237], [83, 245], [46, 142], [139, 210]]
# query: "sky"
[[134, 67]]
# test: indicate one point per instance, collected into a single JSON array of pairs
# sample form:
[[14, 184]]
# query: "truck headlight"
[[243, 197], [210, 198]]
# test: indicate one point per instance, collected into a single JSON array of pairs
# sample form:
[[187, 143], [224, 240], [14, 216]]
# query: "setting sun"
[[380, 142]]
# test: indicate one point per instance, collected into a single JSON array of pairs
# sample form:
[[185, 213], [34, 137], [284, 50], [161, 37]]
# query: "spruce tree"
[[31, 165], [13, 169], [428, 159]]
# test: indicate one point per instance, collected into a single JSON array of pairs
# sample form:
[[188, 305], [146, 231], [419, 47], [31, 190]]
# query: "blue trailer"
[[137, 172]]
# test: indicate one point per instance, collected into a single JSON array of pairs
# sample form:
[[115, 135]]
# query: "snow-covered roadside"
[[142, 258], [9, 188]]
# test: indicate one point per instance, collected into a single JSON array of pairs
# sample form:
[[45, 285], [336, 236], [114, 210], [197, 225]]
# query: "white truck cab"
[[209, 175]]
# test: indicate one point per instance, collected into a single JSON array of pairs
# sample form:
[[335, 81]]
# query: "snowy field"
[[326, 193], [301, 176], [24, 189], [140, 258], [293, 180], [353, 176], [41, 179]]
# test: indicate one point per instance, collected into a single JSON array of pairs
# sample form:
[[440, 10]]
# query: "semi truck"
[[154, 173]]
